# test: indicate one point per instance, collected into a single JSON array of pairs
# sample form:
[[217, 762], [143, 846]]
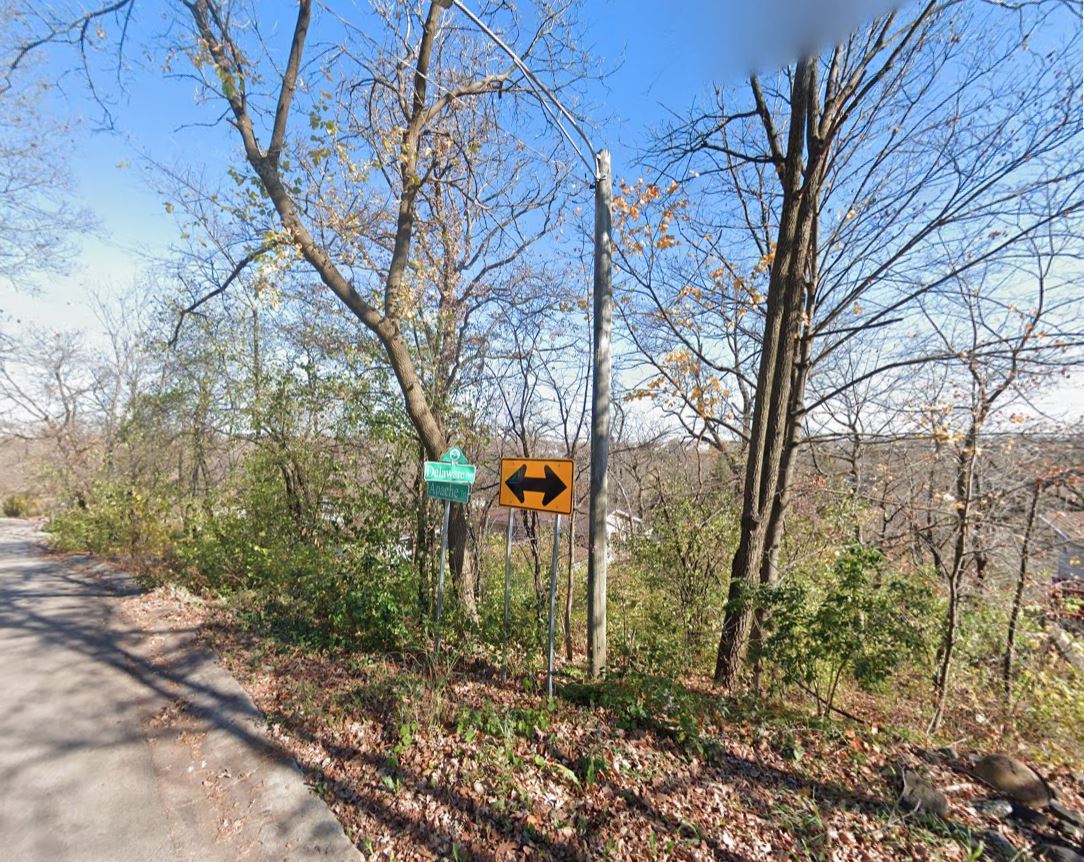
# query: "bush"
[[1050, 707], [19, 506], [116, 519], [318, 601], [323, 578], [862, 624], [655, 703], [667, 615], [527, 627]]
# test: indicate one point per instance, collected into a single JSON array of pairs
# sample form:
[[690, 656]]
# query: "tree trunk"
[[1018, 595], [463, 573], [948, 647], [965, 486], [769, 570], [775, 379]]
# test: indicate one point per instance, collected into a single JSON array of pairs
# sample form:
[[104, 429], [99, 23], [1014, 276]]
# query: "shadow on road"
[[93, 698]]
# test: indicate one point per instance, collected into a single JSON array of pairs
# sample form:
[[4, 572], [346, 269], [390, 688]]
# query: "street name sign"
[[438, 471], [538, 484], [452, 467], [448, 479], [453, 491]]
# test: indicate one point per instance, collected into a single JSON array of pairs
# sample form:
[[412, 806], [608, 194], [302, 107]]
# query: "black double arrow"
[[549, 486]]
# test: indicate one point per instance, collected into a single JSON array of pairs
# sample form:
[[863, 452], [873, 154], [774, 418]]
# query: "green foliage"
[[315, 572], [19, 506], [674, 586], [1053, 706], [1048, 699], [591, 766], [861, 624], [516, 721], [981, 636], [114, 519], [527, 619], [656, 703]]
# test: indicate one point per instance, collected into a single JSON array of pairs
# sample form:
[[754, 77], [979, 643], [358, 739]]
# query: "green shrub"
[[527, 628], [1050, 706], [323, 576], [116, 519], [861, 624], [502, 723], [670, 594], [19, 506], [352, 600], [656, 703]]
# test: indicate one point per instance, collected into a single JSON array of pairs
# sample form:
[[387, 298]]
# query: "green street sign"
[[438, 471], [452, 467], [455, 492]]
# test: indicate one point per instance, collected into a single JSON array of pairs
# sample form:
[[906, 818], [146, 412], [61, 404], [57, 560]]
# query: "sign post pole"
[[440, 580], [450, 480], [553, 600], [507, 590], [538, 485]]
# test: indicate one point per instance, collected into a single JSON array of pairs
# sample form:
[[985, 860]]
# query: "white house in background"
[[621, 525], [1068, 530]]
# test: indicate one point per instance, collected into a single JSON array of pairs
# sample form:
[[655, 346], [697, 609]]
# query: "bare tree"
[[63, 388], [848, 191], [391, 162], [1001, 351], [37, 214]]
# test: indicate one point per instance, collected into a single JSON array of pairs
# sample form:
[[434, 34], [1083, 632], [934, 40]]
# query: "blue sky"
[[659, 58]]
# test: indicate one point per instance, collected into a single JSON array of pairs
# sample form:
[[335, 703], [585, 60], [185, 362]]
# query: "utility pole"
[[600, 421], [602, 324]]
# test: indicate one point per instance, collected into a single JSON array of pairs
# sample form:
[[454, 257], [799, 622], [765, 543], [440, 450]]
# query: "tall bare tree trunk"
[[775, 379], [769, 570], [1018, 595], [965, 486]]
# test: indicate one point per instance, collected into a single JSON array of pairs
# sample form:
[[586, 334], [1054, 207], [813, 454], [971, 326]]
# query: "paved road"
[[122, 740]]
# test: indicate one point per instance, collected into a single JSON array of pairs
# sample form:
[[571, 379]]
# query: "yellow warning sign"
[[540, 484]]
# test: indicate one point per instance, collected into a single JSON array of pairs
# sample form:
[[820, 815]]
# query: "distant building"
[[620, 526], [1068, 530]]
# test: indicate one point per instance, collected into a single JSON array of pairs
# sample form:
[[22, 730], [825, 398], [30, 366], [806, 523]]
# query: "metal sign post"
[[539, 485], [507, 592], [553, 600], [448, 479], [440, 580]]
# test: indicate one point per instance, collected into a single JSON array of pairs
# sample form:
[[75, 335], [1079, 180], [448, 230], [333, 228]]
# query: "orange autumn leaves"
[[682, 379], [689, 289], [631, 210]]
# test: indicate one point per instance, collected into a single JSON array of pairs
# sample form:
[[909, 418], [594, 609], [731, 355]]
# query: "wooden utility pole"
[[600, 421], [603, 320]]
